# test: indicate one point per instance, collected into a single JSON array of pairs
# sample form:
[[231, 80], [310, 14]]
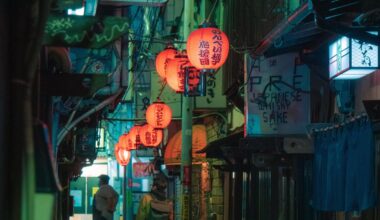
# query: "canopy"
[[173, 149]]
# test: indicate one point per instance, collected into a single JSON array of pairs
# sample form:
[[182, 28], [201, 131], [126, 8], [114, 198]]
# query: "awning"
[[174, 147], [241, 153], [315, 22], [215, 148]]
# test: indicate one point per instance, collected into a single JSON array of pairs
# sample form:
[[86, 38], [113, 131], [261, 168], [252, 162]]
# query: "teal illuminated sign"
[[352, 59]]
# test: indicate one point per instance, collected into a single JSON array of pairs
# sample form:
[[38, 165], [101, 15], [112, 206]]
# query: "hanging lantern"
[[207, 48], [134, 135], [162, 58], [175, 73], [122, 155], [125, 142], [158, 115], [150, 137]]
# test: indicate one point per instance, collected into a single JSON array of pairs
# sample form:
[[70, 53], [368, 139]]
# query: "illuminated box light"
[[352, 59], [89, 9]]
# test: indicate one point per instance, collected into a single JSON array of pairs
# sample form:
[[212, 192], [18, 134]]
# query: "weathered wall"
[[367, 88]]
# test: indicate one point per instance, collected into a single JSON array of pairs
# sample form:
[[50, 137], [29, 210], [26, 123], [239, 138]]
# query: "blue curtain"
[[344, 167]]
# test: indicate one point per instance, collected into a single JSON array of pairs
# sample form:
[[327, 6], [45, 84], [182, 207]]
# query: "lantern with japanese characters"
[[125, 142], [150, 137], [122, 155], [162, 58], [176, 73], [159, 115], [207, 48], [134, 135]]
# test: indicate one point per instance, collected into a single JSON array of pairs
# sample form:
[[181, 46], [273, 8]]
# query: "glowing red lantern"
[[158, 115], [175, 73], [150, 137], [125, 142], [122, 155], [162, 58], [207, 48], [134, 135]]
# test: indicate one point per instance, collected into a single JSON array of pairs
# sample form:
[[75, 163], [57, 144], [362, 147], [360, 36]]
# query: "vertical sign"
[[277, 96]]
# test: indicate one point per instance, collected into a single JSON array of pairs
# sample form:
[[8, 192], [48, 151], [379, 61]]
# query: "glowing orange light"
[[134, 135], [150, 137], [125, 142], [175, 73], [207, 48], [159, 115], [173, 148], [122, 155], [162, 59]]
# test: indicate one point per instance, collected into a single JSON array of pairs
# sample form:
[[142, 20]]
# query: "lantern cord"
[[212, 10], [162, 89]]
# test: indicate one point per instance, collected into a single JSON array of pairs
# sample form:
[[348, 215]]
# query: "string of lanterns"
[[206, 50]]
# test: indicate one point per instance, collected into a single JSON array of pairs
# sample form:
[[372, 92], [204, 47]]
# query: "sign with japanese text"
[[214, 98], [277, 96]]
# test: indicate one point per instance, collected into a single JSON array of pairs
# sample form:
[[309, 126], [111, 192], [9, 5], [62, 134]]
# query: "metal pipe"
[[125, 192], [187, 124]]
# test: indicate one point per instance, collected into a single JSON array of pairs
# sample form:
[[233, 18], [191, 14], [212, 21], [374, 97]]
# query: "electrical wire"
[[137, 64], [212, 10], [162, 89]]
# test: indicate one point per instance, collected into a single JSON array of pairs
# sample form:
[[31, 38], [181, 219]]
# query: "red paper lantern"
[[125, 142], [159, 115], [122, 155], [162, 58], [134, 135], [207, 48], [175, 73], [150, 137]]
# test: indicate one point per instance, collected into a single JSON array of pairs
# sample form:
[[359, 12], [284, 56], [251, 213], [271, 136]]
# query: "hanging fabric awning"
[[344, 163], [173, 149]]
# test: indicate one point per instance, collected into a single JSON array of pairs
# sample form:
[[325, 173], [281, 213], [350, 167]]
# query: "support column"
[[124, 190], [187, 115]]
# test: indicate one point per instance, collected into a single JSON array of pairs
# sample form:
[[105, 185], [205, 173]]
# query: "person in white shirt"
[[105, 200]]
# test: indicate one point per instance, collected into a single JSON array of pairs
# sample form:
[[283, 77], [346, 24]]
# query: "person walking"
[[105, 200], [155, 205]]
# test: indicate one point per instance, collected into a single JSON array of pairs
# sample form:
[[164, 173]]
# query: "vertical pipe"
[[129, 191], [187, 114], [125, 193]]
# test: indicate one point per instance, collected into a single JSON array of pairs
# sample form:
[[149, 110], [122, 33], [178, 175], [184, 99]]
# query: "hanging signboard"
[[83, 31], [277, 96]]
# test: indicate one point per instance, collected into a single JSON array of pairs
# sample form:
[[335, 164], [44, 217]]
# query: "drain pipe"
[[100, 106]]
